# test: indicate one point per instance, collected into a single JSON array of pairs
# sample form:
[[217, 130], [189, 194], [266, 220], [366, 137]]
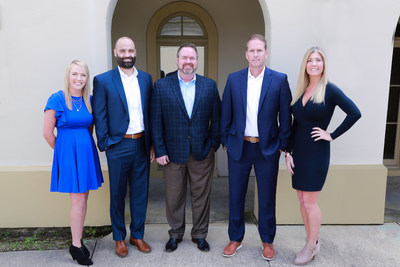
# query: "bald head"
[[123, 40], [125, 52]]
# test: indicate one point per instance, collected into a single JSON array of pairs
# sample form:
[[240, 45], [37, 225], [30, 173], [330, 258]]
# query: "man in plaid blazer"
[[185, 119]]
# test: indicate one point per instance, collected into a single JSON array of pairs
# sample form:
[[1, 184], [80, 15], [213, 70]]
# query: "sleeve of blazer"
[[226, 113], [100, 114], [149, 86], [285, 118], [156, 123], [215, 119]]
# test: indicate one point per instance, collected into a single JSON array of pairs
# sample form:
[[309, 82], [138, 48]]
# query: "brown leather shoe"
[[120, 248], [140, 244], [231, 248], [268, 251]]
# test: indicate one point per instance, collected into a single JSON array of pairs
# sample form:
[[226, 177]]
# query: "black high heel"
[[85, 250], [79, 255]]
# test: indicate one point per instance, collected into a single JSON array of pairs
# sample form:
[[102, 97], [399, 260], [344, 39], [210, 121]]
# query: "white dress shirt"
[[254, 85], [134, 100]]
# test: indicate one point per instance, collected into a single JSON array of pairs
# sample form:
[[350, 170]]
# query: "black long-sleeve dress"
[[311, 158]]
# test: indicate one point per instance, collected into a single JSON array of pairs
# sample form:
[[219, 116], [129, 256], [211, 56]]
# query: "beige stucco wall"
[[352, 194], [26, 200], [357, 37], [37, 41]]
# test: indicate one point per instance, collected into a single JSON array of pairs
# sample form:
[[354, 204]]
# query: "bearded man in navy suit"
[[121, 100], [185, 120], [255, 128]]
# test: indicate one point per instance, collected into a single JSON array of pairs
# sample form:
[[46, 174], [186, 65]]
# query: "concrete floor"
[[349, 246], [392, 205]]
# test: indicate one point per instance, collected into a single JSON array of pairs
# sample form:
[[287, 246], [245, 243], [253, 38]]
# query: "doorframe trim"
[[211, 64]]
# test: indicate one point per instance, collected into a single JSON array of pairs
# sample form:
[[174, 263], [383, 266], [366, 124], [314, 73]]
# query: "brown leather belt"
[[134, 136], [252, 139]]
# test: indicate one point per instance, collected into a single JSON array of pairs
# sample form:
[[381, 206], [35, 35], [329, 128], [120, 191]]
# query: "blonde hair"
[[304, 78], [85, 90]]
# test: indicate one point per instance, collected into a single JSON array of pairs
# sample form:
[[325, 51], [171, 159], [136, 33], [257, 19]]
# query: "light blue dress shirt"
[[188, 91]]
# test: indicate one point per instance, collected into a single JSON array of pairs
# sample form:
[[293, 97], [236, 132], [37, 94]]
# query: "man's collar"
[[260, 75], [180, 79], [135, 72]]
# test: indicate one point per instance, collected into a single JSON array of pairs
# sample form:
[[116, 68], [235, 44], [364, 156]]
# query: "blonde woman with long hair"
[[308, 153], [76, 166]]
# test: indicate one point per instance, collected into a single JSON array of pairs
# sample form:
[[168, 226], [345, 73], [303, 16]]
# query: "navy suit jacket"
[[173, 132], [110, 108], [273, 119]]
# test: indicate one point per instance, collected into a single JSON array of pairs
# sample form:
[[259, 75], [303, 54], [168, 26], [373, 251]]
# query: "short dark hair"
[[257, 36], [192, 45]]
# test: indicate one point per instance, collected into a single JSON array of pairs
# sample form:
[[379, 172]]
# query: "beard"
[[125, 64], [188, 69]]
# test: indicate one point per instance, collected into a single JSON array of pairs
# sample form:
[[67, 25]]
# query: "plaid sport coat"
[[173, 133]]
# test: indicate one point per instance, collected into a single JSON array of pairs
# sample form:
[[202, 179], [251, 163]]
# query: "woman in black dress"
[[309, 149]]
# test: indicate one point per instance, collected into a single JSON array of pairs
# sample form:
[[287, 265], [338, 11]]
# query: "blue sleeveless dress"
[[76, 166]]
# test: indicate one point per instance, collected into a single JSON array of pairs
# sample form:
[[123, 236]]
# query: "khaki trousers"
[[199, 174]]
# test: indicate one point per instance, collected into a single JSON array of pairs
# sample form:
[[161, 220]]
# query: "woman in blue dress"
[[308, 153], [76, 167]]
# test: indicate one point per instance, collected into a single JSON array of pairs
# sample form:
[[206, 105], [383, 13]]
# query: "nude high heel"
[[302, 251], [307, 254]]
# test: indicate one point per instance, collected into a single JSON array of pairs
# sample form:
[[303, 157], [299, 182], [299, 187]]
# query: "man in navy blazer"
[[121, 103], [255, 128], [185, 120]]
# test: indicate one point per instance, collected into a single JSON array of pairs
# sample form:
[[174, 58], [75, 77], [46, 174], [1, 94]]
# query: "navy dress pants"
[[266, 171], [128, 165]]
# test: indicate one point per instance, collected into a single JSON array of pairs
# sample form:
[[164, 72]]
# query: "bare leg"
[[313, 215], [77, 216], [303, 212]]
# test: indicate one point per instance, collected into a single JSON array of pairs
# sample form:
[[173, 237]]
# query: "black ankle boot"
[[85, 250], [79, 255]]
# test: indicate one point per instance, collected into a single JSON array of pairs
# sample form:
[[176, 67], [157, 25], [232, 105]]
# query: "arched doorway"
[[391, 153], [181, 28], [227, 24], [177, 23]]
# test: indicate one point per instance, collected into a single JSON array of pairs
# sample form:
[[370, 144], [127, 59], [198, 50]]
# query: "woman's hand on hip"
[[319, 134]]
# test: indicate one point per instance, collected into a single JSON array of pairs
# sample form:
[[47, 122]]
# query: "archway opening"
[[391, 157], [391, 154], [177, 23], [180, 28], [226, 26]]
